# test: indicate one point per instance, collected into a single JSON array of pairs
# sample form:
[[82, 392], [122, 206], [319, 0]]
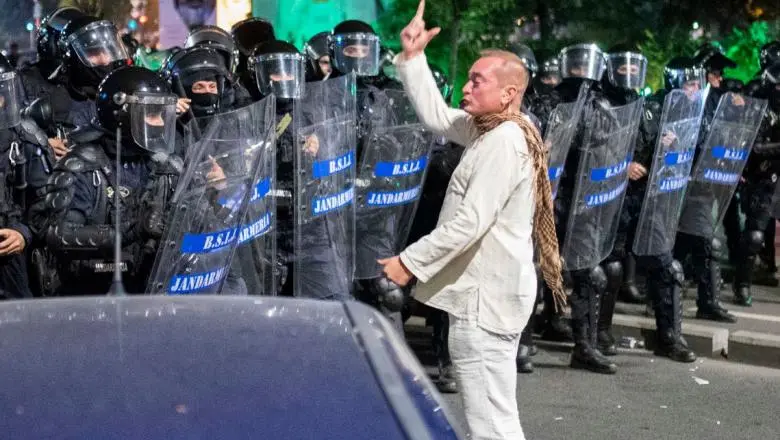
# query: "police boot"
[[441, 330], [665, 289], [606, 342], [629, 292], [708, 303], [752, 244], [585, 315], [554, 325]]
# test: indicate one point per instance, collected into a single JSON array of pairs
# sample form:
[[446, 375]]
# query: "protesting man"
[[477, 265]]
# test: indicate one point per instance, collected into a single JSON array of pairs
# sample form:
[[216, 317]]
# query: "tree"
[[114, 10], [467, 28]]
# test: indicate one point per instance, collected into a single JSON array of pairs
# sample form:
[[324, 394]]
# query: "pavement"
[[649, 399], [754, 339]]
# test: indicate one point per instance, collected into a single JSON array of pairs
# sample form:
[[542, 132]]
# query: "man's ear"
[[508, 94]]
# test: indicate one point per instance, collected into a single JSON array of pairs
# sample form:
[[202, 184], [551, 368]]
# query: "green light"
[[695, 25]]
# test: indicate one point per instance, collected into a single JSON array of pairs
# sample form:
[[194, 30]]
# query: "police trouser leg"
[[553, 324], [757, 219], [767, 254], [606, 341], [664, 282], [589, 285], [629, 291], [705, 252], [731, 227]]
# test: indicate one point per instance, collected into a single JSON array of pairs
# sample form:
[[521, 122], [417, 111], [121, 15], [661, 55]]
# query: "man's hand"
[[12, 242], [737, 100], [636, 171], [312, 145], [58, 146], [395, 271], [414, 37], [182, 105], [667, 138], [216, 173]]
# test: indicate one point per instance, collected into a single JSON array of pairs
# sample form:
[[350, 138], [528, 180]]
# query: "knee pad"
[[598, 278], [674, 272], [754, 241], [614, 273], [717, 247]]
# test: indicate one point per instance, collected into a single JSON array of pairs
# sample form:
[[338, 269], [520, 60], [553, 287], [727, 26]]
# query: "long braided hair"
[[544, 224]]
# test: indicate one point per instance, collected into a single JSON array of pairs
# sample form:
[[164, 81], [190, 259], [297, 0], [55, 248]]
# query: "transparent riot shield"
[[389, 183], [671, 169], [720, 162], [218, 205], [324, 234], [602, 178], [558, 135]]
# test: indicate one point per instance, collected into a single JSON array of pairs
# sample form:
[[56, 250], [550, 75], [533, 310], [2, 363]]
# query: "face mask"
[[204, 101]]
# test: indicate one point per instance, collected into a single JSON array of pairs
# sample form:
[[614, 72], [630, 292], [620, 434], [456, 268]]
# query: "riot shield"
[[720, 162], [324, 235], [220, 203], [671, 169], [602, 178], [561, 127], [389, 183]]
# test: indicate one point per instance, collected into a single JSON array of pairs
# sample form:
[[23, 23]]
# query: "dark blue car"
[[210, 368]]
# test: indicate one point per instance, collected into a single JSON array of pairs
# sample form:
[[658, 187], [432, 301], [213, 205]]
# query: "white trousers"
[[486, 371]]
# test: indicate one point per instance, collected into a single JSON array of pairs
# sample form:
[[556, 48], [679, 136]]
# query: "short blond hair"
[[512, 71]]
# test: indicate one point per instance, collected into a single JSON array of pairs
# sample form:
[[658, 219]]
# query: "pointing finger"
[[420, 10]]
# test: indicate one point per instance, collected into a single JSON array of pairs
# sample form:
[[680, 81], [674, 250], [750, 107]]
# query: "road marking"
[[754, 316]]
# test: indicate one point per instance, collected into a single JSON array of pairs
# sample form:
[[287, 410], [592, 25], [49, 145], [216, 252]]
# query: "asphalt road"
[[650, 398]]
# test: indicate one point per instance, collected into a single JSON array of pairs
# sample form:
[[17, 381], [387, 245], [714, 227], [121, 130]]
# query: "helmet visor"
[[98, 44], [585, 61], [280, 74], [357, 52], [153, 121], [627, 70]]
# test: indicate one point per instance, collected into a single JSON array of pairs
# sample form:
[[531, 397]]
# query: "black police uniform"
[[760, 180], [664, 275], [79, 203]]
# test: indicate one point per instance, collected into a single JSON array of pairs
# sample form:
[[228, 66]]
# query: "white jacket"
[[482, 246]]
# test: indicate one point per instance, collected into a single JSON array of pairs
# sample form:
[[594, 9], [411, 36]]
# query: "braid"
[[544, 225]]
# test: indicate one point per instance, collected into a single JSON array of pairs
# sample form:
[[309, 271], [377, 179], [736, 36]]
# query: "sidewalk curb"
[[755, 348], [704, 340]]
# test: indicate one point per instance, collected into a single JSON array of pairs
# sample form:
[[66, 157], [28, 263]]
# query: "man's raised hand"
[[414, 37]]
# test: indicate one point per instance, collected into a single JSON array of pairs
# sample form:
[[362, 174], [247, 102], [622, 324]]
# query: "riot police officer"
[[317, 55], [703, 252], [15, 235], [45, 79], [215, 38], [135, 111], [760, 179], [248, 34], [309, 268], [355, 48], [586, 63], [91, 48], [664, 275], [199, 76]]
